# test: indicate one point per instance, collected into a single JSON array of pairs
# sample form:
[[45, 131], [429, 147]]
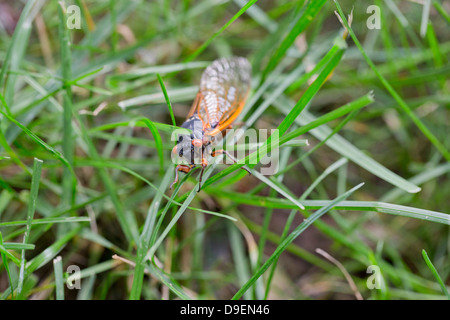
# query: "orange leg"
[[180, 167], [214, 153]]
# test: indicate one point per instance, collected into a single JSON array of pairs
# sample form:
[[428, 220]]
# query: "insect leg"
[[214, 153], [180, 167], [204, 164]]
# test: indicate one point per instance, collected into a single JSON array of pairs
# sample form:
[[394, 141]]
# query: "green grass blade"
[[36, 178], [435, 274], [49, 253], [166, 96], [23, 24]]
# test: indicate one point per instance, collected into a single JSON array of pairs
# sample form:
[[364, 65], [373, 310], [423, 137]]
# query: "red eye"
[[197, 143]]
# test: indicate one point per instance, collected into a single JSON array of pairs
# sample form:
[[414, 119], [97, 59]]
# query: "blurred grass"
[[97, 105]]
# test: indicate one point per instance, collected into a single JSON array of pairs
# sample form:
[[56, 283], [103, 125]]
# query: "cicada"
[[224, 87]]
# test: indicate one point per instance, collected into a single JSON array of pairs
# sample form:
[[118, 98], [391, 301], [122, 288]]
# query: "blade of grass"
[[176, 94], [427, 175], [11, 153], [435, 273], [59, 280], [128, 228], [158, 142], [425, 17], [286, 242], [36, 178], [23, 24], [240, 262], [441, 10], [69, 180]]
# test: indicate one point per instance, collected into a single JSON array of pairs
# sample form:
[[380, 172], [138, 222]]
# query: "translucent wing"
[[223, 89]]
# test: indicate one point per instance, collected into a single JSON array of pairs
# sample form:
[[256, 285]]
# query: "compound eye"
[[180, 139]]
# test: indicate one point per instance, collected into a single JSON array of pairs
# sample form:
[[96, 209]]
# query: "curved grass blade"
[[158, 142], [5, 264], [435, 273]]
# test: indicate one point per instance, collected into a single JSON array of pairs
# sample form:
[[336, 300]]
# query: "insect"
[[224, 87]]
